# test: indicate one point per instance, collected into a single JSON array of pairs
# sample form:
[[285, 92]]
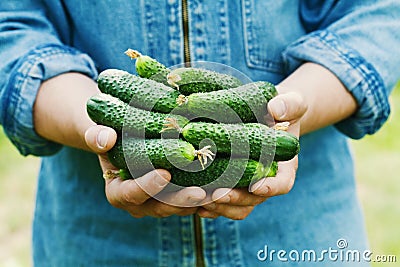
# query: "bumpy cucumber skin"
[[150, 68], [251, 172], [254, 140], [139, 92], [148, 154], [192, 80], [244, 170], [199, 80], [246, 103], [110, 111]]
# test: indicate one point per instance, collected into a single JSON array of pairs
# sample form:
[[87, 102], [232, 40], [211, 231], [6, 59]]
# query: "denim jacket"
[[74, 225]]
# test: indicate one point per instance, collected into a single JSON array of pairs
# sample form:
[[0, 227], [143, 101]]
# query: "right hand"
[[136, 195]]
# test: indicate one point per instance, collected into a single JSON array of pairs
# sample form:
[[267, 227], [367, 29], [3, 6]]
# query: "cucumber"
[[250, 140], [241, 173], [145, 155], [213, 176], [139, 92], [200, 80], [148, 67], [110, 111], [246, 103], [187, 80]]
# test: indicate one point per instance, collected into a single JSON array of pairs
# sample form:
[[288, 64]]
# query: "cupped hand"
[[287, 107], [238, 203], [136, 196]]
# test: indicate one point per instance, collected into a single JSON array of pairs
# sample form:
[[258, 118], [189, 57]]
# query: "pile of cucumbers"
[[201, 125]]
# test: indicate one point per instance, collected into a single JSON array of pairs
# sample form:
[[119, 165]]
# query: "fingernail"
[[194, 200], [102, 138], [262, 191], [195, 197], [160, 180], [259, 185], [278, 108]]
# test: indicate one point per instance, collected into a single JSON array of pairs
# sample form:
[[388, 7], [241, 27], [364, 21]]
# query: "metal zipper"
[[198, 237], [185, 24], [197, 227]]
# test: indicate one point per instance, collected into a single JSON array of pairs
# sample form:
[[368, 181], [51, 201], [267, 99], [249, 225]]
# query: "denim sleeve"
[[30, 53], [357, 41], [19, 95]]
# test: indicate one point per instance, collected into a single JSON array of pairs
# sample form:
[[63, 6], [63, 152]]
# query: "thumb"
[[287, 107], [100, 138]]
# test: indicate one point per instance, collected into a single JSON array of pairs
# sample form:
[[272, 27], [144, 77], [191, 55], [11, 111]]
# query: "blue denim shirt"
[[74, 225]]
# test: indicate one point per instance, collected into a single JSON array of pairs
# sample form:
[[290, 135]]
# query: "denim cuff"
[[359, 77], [39, 64]]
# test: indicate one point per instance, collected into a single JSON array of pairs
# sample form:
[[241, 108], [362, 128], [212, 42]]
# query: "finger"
[[236, 197], [282, 183], [157, 209], [133, 192], [204, 213], [105, 163], [100, 138], [287, 107], [232, 212], [187, 197]]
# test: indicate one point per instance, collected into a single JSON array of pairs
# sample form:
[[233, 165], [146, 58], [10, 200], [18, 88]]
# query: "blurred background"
[[377, 171]]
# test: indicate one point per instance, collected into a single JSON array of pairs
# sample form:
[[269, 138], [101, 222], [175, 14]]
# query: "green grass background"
[[377, 171]]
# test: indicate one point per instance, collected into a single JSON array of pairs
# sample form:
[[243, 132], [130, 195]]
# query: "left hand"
[[237, 203]]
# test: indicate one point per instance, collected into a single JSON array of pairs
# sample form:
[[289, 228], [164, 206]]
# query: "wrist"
[[326, 98], [60, 109]]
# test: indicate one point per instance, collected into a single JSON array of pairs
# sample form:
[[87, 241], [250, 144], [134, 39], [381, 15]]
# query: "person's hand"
[[289, 107], [238, 203], [136, 195]]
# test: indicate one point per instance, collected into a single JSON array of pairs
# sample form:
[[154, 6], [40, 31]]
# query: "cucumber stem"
[[132, 53], [173, 78], [203, 154], [181, 100], [110, 174], [171, 124], [283, 126]]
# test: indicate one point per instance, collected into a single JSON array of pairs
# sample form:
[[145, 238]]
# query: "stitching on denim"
[[210, 242], [250, 44]]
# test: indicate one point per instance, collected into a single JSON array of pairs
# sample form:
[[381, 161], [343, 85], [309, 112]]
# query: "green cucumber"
[[246, 103], [250, 140], [139, 92], [144, 155], [110, 111], [200, 80], [240, 173], [187, 80], [148, 67]]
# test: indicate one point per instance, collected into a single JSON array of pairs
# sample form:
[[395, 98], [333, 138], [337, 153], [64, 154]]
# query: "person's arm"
[[356, 41], [31, 53], [60, 110]]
